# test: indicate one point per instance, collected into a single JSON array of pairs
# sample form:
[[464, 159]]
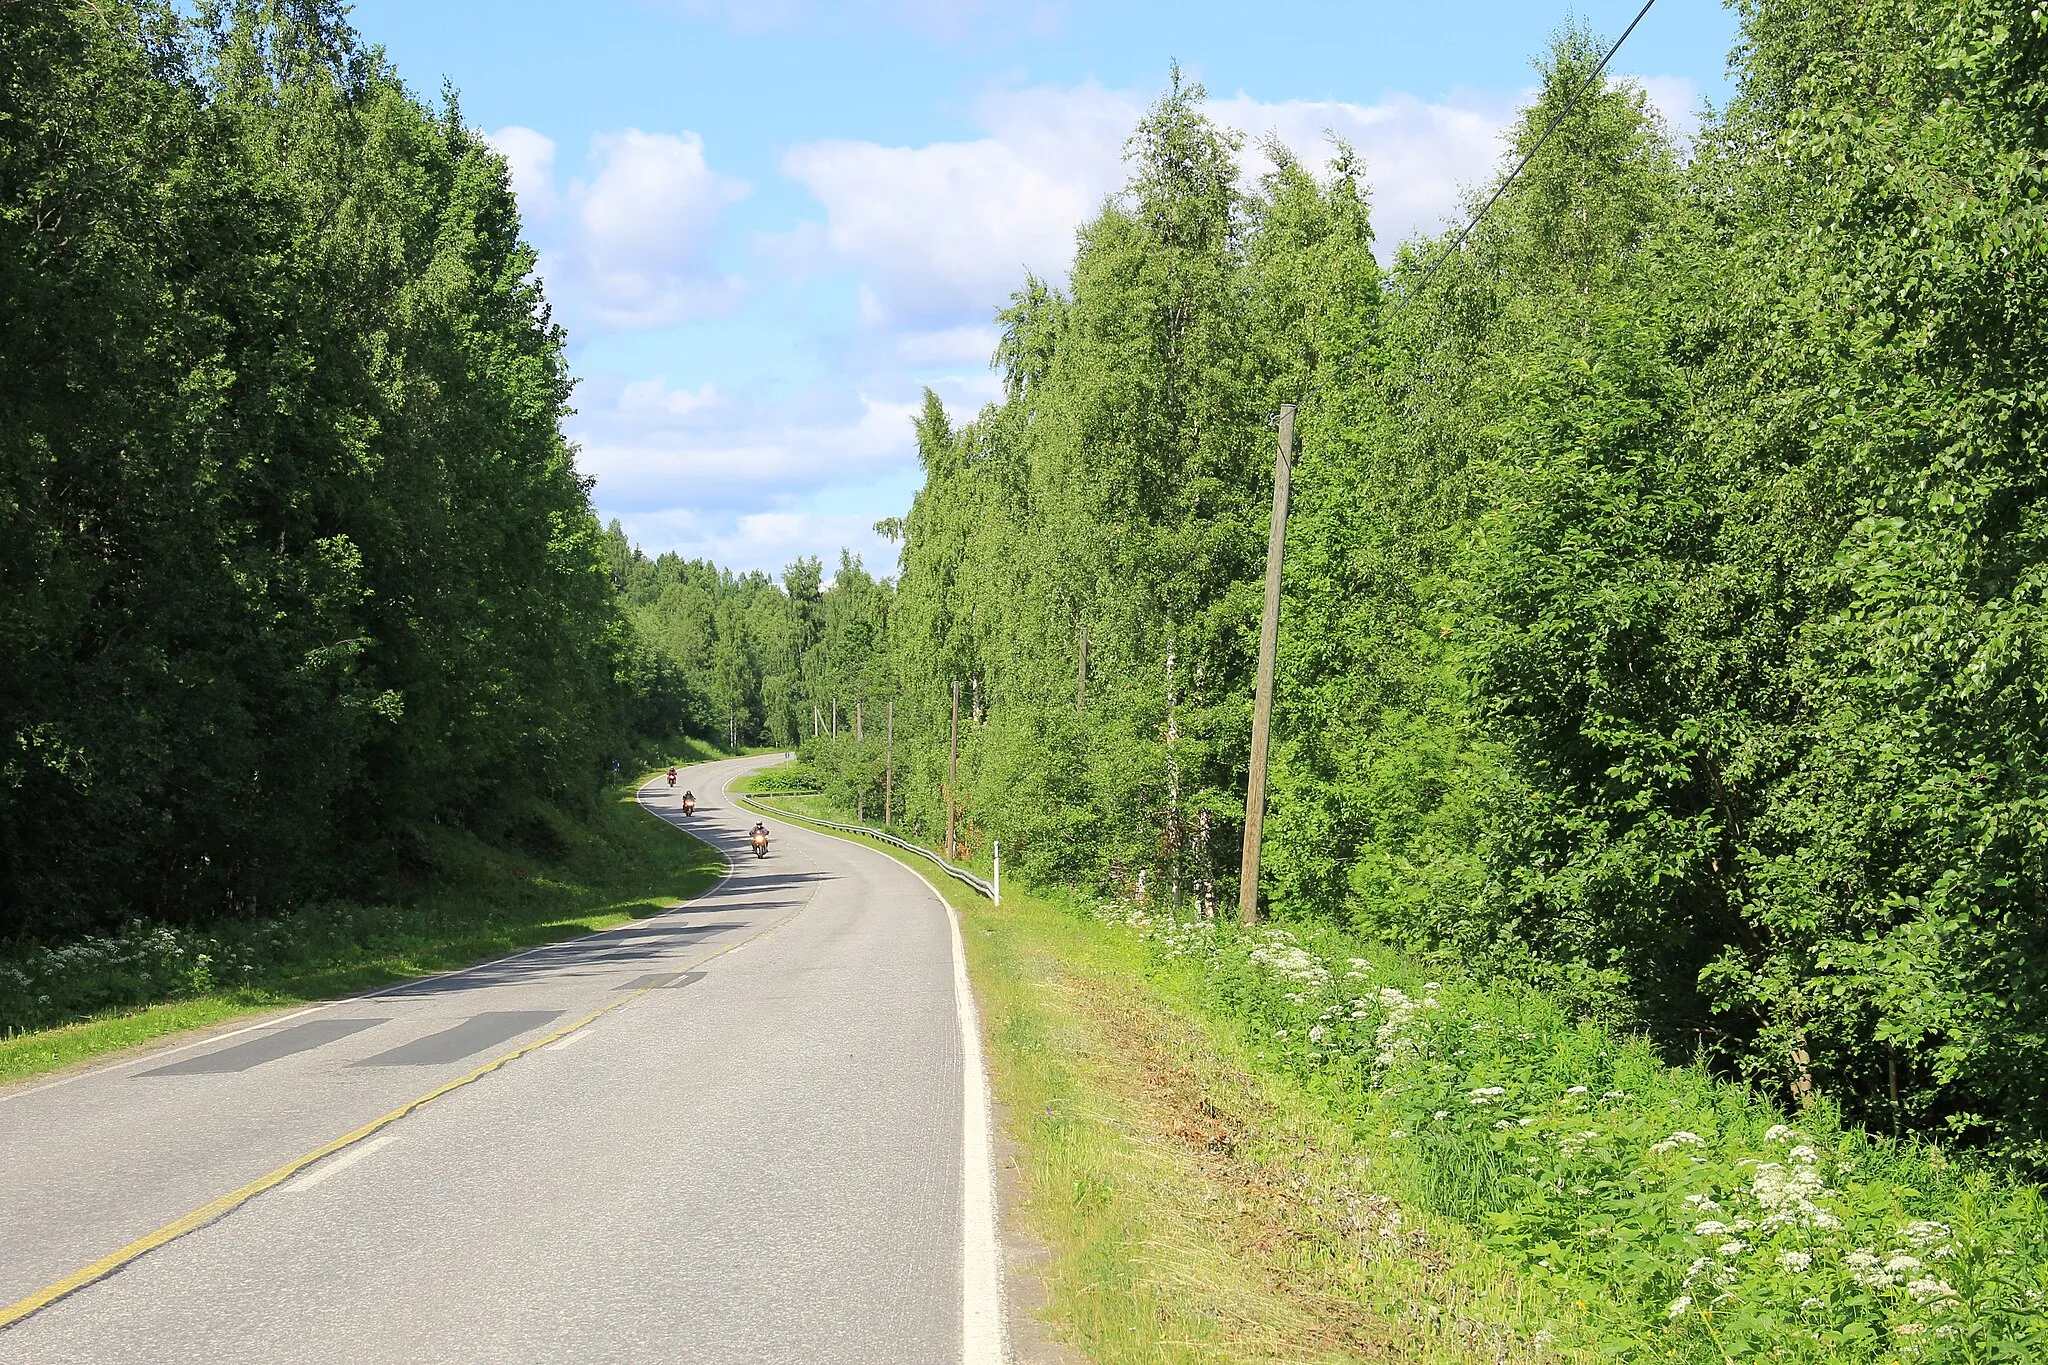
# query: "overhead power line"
[[1559, 117]]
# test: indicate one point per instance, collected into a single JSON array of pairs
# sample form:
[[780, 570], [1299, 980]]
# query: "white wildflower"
[[1865, 1268], [1502, 1125], [1930, 1290], [1576, 1090], [1317, 1033], [1679, 1306], [1734, 1248], [1711, 1228], [1924, 1234], [1794, 1261], [1677, 1140], [1781, 1133]]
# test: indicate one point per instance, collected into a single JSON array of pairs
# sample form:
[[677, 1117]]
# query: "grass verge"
[[481, 900]]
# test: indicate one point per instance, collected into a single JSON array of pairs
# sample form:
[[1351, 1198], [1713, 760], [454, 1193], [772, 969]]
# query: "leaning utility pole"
[[889, 772], [1262, 701], [1081, 672], [953, 775]]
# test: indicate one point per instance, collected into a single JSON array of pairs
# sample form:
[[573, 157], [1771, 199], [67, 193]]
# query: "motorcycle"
[[760, 843], [689, 804], [671, 779]]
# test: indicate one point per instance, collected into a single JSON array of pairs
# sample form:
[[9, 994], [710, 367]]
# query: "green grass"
[[482, 900]]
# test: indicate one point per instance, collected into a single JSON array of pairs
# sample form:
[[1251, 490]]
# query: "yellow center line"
[[234, 1199]]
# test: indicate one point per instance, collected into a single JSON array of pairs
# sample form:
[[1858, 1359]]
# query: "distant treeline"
[[293, 555], [1666, 606]]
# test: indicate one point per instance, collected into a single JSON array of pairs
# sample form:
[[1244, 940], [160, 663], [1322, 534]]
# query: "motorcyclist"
[[758, 835], [671, 777]]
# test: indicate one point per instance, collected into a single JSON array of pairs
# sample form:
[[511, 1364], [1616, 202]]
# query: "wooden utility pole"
[[953, 774], [1081, 673], [1262, 701], [835, 718], [856, 720], [889, 771]]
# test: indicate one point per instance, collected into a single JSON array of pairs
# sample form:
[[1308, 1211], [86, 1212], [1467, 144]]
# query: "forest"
[[296, 559], [1663, 619]]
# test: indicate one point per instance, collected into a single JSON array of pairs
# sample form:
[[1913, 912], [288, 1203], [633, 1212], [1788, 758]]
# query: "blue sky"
[[768, 226]]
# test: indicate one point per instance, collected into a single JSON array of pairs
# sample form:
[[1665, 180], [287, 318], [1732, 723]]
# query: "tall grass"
[[1674, 1215]]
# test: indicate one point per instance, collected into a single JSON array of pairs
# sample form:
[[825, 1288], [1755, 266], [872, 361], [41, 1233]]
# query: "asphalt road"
[[770, 1146]]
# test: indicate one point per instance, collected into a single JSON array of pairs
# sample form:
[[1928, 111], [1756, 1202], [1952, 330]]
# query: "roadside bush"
[[1693, 1218]]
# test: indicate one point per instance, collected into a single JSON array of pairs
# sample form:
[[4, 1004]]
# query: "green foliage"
[[1685, 1217], [295, 557]]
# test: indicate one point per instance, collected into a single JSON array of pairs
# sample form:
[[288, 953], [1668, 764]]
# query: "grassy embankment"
[[478, 900], [1289, 1145]]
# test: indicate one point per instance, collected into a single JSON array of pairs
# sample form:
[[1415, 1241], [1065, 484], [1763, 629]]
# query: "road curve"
[[767, 1145]]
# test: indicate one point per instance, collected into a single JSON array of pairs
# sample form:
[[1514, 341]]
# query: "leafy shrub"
[[1695, 1219]]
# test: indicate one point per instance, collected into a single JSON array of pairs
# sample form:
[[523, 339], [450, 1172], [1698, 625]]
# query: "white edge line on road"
[[345, 1159], [396, 987], [983, 1334]]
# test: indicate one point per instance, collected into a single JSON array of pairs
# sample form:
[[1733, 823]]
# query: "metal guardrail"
[[993, 889]]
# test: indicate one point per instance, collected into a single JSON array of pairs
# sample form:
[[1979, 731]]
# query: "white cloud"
[[953, 21], [948, 229], [639, 251], [650, 445], [531, 157], [631, 246], [950, 346], [941, 234], [1418, 155], [761, 540], [1677, 98]]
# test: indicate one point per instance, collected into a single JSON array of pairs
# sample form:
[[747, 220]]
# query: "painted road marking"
[[465, 1039], [234, 1199], [336, 1164], [984, 1330], [271, 1046]]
